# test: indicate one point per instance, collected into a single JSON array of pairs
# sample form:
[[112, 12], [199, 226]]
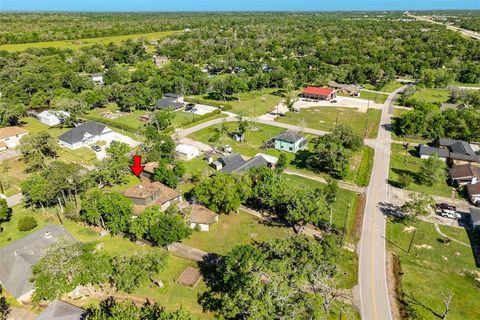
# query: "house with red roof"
[[317, 93]]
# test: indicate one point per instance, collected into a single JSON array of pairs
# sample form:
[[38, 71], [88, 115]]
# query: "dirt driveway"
[[115, 137]]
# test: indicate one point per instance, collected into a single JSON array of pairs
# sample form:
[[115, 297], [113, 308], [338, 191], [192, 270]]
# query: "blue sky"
[[233, 5]]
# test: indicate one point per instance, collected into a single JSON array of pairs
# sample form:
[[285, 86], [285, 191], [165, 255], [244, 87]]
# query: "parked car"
[[189, 106], [333, 101], [448, 211], [96, 148]]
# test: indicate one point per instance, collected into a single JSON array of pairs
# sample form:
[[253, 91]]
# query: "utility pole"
[[345, 223], [336, 120], [411, 241]]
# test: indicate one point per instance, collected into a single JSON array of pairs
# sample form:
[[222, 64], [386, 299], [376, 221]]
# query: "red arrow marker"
[[137, 167]]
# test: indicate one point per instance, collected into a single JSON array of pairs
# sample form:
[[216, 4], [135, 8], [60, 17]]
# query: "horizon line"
[[235, 11]]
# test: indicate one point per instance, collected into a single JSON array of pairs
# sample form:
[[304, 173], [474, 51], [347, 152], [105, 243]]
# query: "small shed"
[[201, 217], [187, 152], [190, 277], [217, 165]]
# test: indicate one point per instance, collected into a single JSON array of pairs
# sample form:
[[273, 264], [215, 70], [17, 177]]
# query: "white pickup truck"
[[448, 211]]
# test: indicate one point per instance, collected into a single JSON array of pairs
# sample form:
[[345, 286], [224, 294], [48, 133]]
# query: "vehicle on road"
[[448, 211], [96, 148], [333, 101]]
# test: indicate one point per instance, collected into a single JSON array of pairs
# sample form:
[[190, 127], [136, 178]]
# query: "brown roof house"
[[10, 136], [61, 310], [150, 194], [473, 191], [201, 217], [149, 170], [464, 174]]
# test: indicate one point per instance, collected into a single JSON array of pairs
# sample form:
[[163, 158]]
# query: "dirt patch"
[[423, 246], [359, 212], [394, 275], [409, 229]]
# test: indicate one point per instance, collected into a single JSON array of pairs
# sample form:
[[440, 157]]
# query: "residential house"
[[272, 161], [97, 78], [85, 134], [149, 170], [170, 101], [11, 136], [473, 191], [17, 259], [160, 60], [474, 218], [150, 194], [52, 118], [201, 217], [455, 151], [464, 174], [349, 89], [235, 163], [290, 141], [61, 310], [317, 93], [186, 152]]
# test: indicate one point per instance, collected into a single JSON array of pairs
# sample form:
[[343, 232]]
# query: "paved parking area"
[[201, 109], [9, 154], [347, 102], [115, 137]]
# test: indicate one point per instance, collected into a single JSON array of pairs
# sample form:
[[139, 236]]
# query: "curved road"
[[373, 289]]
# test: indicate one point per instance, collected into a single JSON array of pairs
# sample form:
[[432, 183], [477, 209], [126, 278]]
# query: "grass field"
[[12, 173], [325, 118], [361, 167], [373, 96], [432, 95], [411, 165], [254, 103], [389, 87], [432, 268], [78, 43]]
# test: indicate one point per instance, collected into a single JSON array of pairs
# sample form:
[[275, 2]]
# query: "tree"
[[38, 149], [243, 125], [75, 107], [432, 171], [269, 280], [268, 189], [111, 211], [4, 306], [36, 191], [222, 193], [162, 228], [4, 210], [290, 101], [305, 207], [419, 205], [115, 167], [281, 163], [329, 157], [404, 180], [26, 223], [132, 271], [347, 137], [169, 173], [162, 119], [10, 114]]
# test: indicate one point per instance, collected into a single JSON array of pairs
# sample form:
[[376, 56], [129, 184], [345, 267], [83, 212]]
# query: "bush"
[[27, 223]]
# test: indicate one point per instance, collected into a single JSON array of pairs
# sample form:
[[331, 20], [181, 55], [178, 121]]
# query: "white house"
[[52, 118], [11, 136], [201, 217], [85, 134], [187, 152], [97, 78]]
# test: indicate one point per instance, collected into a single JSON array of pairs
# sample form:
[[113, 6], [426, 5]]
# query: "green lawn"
[[254, 103], [35, 126], [12, 173], [432, 95], [432, 268], [78, 43], [389, 87], [373, 96], [411, 165], [325, 118], [254, 138]]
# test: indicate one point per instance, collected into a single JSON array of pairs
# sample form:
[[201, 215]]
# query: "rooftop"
[[61, 310], [150, 167], [17, 259], [473, 189], [11, 132], [202, 215], [318, 91], [77, 134], [189, 277], [236, 163], [464, 171], [289, 136]]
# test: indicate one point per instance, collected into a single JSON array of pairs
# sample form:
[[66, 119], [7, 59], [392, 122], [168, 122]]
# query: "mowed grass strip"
[[432, 268], [78, 43], [326, 118]]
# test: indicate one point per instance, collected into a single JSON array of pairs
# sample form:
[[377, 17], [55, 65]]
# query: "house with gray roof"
[[290, 141], [170, 101], [85, 134], [61, 310], [17, 259], [456, 151], [236, 163]]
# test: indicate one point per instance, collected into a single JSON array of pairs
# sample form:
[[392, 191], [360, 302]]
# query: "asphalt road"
[[373, 289], [465, 32], [15, 199]]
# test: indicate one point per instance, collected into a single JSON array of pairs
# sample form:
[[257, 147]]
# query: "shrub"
[[27, 223]]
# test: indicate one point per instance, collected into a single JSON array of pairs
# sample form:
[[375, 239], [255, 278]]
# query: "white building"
[[187, 152], [85, 134], [11, 136], [97, 78], [52, 118]]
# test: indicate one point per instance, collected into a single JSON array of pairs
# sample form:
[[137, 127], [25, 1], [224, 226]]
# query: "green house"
[[290, 141]]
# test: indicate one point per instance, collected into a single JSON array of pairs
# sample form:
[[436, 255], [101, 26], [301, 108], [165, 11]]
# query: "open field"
[[389, 87], [434, 267], [432, 95], [12, 173], [411, 164], [78, 43], [373, 96], [360, 164], [254, 103], [325, 118]]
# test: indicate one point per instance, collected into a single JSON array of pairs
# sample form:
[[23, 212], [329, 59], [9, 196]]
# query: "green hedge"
[[112, 123], [27, 223], [203, 117]]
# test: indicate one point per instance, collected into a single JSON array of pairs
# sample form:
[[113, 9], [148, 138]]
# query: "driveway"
[[201, 109], [115, 137], [9, 154]]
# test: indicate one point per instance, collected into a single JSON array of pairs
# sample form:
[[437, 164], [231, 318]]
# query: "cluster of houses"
[[465, 170]]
